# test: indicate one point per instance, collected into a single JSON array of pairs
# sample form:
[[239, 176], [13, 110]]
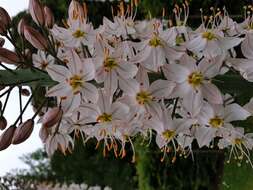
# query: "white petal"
[[212, 93], [119, 110], [235, 112], [90, 92], [176, 72], [161, 88], [59, 90], [58, 73]]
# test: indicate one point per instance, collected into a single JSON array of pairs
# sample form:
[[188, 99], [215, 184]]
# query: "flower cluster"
[[72, 186], [129, 77]]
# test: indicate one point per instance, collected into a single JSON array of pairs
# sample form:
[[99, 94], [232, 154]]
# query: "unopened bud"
[[35, 38], [75, 10], [23, 132], [37, 12], [49, 17], [21, 26], [8, 56], [25, 92], [52, 117], [6, 137], [43, 134], [5, 20], [3, 123], [2, 41]]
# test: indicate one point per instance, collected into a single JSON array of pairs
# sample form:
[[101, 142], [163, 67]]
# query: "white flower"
[[41, 60], [73, 86]]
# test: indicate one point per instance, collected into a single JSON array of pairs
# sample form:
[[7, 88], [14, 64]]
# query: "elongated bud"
[[8, 56], [35, 38], [52, 117], [49, 17], [21, 26], [23, 132], [3, 123], [5, 18], [43, 134], [2, 41], [75, 11], [37, 12], [6, 137]]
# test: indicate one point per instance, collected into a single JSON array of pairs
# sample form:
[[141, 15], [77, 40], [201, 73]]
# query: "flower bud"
[[2, 41], [3, 123], [35, 38], [36, 11], [51, 117], [8, 56], [49, 17], [43, 134], [6, 137], [75, 11], [5, 18], [21, 26], [23, 132]]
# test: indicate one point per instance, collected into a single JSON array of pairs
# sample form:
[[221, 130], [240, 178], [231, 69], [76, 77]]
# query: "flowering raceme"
[[131, 78]]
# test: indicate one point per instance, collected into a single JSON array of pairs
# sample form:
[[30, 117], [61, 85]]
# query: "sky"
[[9, 158]]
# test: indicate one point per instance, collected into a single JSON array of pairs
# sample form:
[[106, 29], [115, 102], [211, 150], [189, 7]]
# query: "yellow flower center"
[[104, 118], [155, 42], [109, 64], [168, 134], [78, 34], [179, 40], [195, 79], [238, 141], [143, 97], [208, 35], [76, 82], [216, 122]]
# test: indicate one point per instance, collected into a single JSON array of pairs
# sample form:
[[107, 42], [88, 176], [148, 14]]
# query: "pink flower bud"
[[49, 17], [21, 26], [51, 117], [76, 11], [5, 21], [43, 134], [2, 41], [6, 137], [35, 38], [8, 56], [23, 132], [36, 11], [3, 123]]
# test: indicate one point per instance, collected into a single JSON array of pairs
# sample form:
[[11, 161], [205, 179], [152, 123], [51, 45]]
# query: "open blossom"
[[41, 60], [211, 42], [104, 114], [152, 52], [193, 82], [168, 129], [73, 86], [219, 118], [112, 69]]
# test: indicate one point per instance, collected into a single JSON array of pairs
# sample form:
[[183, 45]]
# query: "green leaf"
[[25, 77]]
